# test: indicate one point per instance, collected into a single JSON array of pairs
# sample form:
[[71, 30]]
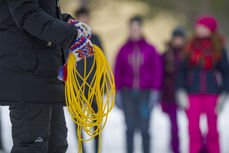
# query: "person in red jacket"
[[203, 83]]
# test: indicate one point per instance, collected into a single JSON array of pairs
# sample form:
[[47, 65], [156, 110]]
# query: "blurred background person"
[[171, 60], [205, 59], [138, 78], [83, 15]]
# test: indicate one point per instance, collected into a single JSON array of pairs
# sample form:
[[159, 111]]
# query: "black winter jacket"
[[32, 37]]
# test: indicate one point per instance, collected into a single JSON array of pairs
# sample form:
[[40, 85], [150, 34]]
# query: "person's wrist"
[[72, 21], [69, 18]]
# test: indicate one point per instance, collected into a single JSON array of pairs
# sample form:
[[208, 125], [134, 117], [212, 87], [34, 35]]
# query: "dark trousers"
[[38, 129], [171, 109], [96, 139], [137, 116], [1, 146]]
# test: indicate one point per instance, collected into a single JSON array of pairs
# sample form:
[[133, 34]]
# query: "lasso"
[[80, 105]]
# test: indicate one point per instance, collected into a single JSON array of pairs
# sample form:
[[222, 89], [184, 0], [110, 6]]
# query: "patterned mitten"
[[84, 28], [81, 48]]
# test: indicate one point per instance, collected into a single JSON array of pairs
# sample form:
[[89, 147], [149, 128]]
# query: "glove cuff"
[[76, 24], [83, 27], [73, 21], [62, 75], [79, 42]]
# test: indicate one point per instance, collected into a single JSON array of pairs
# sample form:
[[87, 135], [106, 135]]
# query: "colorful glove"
[[221, 102], [154, 98], [84, 28], [81, 48], [118, 100], [182, 99]]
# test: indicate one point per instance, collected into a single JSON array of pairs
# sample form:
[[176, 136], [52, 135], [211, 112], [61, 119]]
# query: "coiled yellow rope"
[[80, 105]]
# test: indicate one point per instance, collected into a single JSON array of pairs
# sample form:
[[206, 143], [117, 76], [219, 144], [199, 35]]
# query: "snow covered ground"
[[113, 136]]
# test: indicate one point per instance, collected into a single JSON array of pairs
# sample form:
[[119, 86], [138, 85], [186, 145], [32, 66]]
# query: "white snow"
[[113, 136]]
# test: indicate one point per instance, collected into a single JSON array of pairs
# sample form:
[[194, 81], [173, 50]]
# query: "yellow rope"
[[80, 105]]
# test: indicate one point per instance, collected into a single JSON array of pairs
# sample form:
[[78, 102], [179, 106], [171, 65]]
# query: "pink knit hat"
[[208, 21]]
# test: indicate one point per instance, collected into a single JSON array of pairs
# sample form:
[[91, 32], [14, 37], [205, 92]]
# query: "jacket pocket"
[[49, 62], [30, 60]]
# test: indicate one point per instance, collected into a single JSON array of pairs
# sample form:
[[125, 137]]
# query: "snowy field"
[[113, 136]]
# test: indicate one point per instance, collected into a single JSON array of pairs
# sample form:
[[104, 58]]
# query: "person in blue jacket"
[[33, 37]]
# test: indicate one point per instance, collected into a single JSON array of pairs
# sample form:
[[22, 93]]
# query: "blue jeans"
[[137, 116]]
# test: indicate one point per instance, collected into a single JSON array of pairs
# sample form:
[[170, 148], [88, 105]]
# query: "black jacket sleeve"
[[30, 17], [66, 17]]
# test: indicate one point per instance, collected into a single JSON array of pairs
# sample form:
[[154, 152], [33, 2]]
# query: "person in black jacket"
[[33, 35], [83, 15]]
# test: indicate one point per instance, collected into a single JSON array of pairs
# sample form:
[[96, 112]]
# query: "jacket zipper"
[[203, 81]]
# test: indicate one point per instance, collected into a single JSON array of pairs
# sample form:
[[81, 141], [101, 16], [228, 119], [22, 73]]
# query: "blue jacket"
[[197, 80]]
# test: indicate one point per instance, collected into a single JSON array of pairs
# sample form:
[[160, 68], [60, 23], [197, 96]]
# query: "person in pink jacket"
[[138, 79]]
